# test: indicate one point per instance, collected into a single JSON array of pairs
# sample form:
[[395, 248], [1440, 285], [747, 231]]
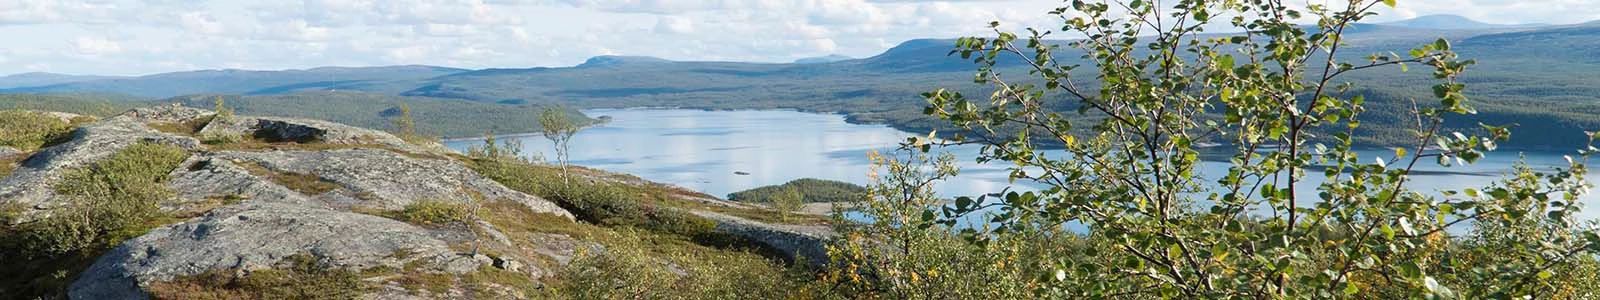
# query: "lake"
[[720, 152]]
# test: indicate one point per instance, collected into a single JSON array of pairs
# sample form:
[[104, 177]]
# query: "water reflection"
[[709, 150]]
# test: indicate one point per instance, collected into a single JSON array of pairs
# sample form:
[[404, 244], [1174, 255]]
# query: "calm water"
[[709, 151]]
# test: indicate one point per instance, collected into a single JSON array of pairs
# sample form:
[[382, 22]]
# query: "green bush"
[[107, 202], [814, 190], [27, 130], [433, 212]]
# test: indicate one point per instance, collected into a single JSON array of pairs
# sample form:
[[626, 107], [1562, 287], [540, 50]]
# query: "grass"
[[430, 212], [306, 184], [636, 259], [299, 276], [10, 164], [189, 128], [108, 202]]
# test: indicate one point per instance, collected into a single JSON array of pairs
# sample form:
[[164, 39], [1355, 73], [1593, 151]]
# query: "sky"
[[138, 37]]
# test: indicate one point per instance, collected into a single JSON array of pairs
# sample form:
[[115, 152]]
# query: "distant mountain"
[[247, 82], [613, 60], [1540, 78], [41, 79], [823, 59], [1451, 22]]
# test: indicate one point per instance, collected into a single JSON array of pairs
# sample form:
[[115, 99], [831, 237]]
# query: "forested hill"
[[1541, 78]]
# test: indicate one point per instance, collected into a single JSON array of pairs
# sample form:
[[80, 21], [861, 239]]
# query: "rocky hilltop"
[[256, 199]]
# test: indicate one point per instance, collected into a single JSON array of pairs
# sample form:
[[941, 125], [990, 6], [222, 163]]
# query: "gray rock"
[[275, 129], [507, 264], [258, 236], [31, 183], [387, 180], [204, 176], [797, 242], [7, 152], [172, 113]]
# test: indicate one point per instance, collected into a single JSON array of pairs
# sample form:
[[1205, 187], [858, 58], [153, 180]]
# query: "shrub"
[[788, 201], [27, 130], [1272, 94], [433, 212], [107, 202]]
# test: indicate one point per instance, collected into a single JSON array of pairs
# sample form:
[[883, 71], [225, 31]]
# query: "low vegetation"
[[108, 202], [631, 267], [639, 231], [29, 130], [299, 276], [432, 212], [812, 190]]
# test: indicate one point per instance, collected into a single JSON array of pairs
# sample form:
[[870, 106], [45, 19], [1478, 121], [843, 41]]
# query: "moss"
[[107, 202], [307, 184], [299, 276]]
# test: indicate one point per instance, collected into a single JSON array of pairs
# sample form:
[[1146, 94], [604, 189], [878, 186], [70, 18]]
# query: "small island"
[[812, 190]]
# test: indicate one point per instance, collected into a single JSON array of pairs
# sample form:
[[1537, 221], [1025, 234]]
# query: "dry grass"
[[307, 184]]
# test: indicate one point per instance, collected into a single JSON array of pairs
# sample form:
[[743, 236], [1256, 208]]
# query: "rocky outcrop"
[[800, 243], [30, 185], [252, 214], [387, 180], [257, 236], [255, 221], [205, 177], [165, 114], [274, 129]]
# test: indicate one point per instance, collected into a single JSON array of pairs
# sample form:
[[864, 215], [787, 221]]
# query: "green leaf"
[[1390, 3]]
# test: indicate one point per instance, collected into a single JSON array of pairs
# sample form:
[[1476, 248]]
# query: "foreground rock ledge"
[[257, 236]]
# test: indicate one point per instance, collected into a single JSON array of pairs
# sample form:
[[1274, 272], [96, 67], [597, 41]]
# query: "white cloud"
[[674, 25], [127, 37], [95, 46]]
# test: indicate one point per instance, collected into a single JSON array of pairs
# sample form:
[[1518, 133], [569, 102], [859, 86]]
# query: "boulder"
[[388, 180], [258, 236], [796, 242]]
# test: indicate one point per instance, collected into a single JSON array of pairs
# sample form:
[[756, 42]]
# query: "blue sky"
[[136, 37]]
